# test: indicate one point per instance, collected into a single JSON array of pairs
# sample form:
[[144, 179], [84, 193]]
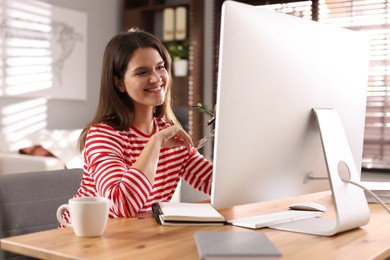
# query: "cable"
[[310, 177], [369, 191]]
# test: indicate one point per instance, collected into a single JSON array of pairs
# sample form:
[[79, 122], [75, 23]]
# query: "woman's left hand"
[[175, 136]]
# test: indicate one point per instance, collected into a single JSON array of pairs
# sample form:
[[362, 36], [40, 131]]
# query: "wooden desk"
[[142, 238]]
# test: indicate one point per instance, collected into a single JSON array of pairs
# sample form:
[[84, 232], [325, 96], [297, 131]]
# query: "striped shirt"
[[108, 158]]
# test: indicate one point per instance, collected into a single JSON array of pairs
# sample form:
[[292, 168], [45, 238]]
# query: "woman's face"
[[146, 78]]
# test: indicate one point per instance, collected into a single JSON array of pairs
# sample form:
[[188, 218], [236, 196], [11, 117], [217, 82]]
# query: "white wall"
[[104, 21]]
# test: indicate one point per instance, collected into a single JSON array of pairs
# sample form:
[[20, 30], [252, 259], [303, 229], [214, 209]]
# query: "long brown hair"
[[115, 108]]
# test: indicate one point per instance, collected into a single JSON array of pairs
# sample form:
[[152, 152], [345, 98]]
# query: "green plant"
[[203, 109], [179, 50]]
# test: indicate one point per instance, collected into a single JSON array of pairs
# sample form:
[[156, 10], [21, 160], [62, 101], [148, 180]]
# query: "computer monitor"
[[273, 70]]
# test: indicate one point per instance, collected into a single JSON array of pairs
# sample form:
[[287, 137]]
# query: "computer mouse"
[[310, 206]]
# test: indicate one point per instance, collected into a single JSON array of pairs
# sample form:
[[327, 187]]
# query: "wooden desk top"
[[141, 237]]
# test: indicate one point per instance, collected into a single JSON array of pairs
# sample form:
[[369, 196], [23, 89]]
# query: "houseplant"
[[179, 51]]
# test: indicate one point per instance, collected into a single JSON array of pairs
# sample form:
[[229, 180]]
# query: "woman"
[[132, 155]]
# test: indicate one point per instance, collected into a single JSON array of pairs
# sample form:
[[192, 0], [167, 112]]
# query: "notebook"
[[234, 245], [180, 213], [380, 189]]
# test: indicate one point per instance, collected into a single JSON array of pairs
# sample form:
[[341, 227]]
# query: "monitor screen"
[[274, 69]]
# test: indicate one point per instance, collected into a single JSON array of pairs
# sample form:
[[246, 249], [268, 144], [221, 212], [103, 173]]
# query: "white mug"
[[89, 215]]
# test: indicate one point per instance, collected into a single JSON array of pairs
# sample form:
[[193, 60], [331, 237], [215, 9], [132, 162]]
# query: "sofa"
[[61, 143], [29, 201]]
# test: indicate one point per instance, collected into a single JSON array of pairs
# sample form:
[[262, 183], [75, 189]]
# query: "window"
[[372, 16]]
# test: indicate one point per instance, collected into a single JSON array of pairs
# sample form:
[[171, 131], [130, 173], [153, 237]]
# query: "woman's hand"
[[175, 136], [169, 137]]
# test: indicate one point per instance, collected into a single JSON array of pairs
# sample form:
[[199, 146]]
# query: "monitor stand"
[[350, 203]]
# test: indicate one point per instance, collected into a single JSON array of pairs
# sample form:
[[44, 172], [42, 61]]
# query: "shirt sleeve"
[[126, 187], [198, 172]]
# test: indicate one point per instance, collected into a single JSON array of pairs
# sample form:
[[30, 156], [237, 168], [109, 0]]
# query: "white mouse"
[[311, 206]]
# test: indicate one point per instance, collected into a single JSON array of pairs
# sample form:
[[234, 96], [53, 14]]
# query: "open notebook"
[[179, 213]]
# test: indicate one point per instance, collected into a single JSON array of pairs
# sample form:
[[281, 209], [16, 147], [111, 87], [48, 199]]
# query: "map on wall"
[[43, 51]]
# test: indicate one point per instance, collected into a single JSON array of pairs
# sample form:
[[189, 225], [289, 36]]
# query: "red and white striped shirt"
[[108, 158]]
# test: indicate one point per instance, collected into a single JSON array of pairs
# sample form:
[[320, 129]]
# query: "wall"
[[104, 19]]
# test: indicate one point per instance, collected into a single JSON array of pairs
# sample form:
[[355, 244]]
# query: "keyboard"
[[270, 219]]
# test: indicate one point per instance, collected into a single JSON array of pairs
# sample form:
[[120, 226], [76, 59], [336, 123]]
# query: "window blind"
[[372, 16]]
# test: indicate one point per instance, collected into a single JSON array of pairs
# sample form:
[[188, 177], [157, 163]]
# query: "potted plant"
[[179, 51]]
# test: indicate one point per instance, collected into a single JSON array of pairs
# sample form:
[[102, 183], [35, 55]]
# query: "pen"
[[211, 121]]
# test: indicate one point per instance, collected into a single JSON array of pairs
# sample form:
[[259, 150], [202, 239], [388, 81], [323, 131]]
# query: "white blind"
[[301, 9], [372, 16]]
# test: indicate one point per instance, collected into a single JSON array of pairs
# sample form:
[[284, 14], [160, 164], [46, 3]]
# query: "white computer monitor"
[[273, 70]]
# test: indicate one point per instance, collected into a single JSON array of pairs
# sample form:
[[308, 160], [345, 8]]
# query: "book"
[[180, 23], [168, 24], [180, 213], [383, 195], [380, 189], [234, 245]]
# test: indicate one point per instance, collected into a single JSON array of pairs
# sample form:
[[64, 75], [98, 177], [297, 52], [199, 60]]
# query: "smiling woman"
[[135, 151], [146, 79]]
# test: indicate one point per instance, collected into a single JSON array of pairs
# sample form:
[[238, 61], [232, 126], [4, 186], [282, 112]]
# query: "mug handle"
[[60, 211]]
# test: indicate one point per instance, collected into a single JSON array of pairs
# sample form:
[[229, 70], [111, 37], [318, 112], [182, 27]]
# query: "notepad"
[[383, 195], [234, 245], [179, 213], [380, 189]]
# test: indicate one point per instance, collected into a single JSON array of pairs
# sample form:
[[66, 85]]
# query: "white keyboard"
[[279, 217]]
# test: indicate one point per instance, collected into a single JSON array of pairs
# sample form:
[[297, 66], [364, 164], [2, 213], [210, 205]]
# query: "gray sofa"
[[28, 201]]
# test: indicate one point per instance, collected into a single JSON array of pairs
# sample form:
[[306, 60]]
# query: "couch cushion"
[[36, 150], [18, 163]]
